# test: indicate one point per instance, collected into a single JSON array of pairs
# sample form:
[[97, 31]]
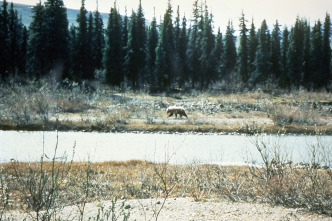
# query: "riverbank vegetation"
[[47, 105], [43, 188]]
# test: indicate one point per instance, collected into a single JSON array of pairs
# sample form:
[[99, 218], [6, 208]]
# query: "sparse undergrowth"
[[44, 105]]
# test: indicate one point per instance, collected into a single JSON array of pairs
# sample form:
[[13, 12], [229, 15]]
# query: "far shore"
[[181, 126], [32, 108]]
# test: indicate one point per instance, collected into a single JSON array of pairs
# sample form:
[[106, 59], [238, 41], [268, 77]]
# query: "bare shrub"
[[73, 97], [41, 184], [83, 188], [279, 181], [289, 113], [114, 115], [316, 185]]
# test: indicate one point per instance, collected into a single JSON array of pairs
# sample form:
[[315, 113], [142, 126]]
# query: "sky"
[[285, 11]]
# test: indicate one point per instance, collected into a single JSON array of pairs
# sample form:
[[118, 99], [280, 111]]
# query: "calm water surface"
[[178, 148]]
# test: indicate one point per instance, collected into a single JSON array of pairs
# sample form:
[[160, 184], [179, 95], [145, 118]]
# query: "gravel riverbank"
[[184, 209]]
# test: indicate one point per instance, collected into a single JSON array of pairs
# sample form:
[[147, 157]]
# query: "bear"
[[176, 110]]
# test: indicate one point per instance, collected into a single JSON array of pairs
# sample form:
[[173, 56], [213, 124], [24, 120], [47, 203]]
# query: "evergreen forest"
[[173, 53]]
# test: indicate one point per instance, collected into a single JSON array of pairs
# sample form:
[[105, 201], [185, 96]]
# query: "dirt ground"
[[184, 209]]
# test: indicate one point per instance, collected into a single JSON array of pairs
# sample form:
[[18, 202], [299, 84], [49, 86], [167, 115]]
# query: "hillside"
[[25, 12]]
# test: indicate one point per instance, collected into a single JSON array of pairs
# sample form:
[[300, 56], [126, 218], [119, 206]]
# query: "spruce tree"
[[317, 55], [182, 53], [217, 54], [124, 36], [130, 62], [14, 39], [295, 54], [177, 33], [135, 59], [207, 43], [4, 40], [165, 59], [23, 48], [307, 68], [91, 66], [141, 39], [56, 38], [253, 44], [284, 79], [98, 40], [326, 62], [230, 50], [276, 51], [193, 51], [81, 56], [72, 53], [37, 53], [263, 62], [177, 29], [113, 52], [243, 51], [152, 45]]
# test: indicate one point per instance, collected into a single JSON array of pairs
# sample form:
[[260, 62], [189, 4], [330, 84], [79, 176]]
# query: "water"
[[175, 148]]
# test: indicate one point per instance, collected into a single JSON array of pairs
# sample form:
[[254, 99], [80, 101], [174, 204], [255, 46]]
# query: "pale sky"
[[285, 11]]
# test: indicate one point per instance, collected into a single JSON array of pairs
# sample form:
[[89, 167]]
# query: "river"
[[175, 148]]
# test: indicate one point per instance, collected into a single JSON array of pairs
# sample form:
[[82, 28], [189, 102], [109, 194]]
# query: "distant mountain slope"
[[25, 12]]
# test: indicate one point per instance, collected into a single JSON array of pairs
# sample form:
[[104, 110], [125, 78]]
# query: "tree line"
[[171, 53]]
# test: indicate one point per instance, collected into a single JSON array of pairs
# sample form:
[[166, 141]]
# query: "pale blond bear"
[[176, 110]]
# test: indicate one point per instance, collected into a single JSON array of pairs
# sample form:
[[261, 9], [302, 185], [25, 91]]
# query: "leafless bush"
[[285, 114], [279, 181], [41, 184], [316, 182], [222, 184], [251, 129], [114, 116], [83, 188]]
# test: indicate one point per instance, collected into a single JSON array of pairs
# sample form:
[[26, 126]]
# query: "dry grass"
[[291, 186], [43, 105]]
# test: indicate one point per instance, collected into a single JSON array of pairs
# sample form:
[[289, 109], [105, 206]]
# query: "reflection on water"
[[179, 148]]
